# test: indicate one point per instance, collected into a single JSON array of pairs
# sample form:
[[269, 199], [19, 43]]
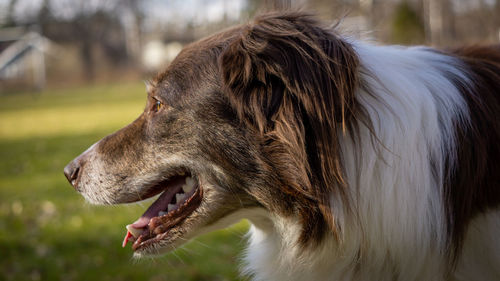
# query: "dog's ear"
[[294, 81]]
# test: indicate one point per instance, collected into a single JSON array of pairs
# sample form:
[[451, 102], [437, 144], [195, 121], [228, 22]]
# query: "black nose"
[[71, 172]]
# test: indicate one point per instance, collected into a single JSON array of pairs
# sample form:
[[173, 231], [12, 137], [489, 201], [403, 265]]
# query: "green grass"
[[47, 231]]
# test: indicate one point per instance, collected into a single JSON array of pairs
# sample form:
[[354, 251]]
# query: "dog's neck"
[[274, 252]]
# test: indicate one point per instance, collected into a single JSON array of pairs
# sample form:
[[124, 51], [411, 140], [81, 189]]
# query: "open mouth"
[[180, 196]]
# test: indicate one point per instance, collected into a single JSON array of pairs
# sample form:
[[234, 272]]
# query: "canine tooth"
[[134, 231], [179, 197], [190, 181], [187, 188], [171, 207], [161, 213]]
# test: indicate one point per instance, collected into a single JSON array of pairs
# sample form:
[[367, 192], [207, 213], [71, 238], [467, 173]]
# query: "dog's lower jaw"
[[196, 227]]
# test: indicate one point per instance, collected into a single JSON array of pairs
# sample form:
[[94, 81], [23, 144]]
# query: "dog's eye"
[[157, 106]]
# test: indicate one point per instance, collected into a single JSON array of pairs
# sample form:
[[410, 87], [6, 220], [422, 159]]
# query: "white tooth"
[[190, 182], [179, 197], [161, 213], [134, 231], [182, 173], [171, 207], [187, 188]]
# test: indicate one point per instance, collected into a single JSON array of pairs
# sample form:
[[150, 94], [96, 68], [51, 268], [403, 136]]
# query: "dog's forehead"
[[192, 73], [195, 71]]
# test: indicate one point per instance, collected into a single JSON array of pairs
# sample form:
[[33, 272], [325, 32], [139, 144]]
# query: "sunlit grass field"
[[47, 231]]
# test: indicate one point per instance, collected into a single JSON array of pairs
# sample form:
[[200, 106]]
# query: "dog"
[[351, 161]]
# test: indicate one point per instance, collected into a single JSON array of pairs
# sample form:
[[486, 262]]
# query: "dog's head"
[[247, 118]]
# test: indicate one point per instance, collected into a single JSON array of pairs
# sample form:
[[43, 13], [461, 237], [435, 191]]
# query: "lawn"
[[47, 231]]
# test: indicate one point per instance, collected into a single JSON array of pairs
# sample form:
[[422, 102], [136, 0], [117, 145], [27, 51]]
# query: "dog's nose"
[[71, 172]]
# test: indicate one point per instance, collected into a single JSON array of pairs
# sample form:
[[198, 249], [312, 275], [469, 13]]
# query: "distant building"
[[22, 57]]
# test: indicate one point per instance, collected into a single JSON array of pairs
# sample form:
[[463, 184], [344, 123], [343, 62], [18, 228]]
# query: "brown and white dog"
[[352, 161]]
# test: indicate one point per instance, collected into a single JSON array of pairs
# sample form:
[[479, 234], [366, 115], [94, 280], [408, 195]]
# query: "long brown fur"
[[294, 82], [474, 186]]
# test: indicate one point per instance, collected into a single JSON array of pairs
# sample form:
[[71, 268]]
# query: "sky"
[[199, 11], [196, 11]]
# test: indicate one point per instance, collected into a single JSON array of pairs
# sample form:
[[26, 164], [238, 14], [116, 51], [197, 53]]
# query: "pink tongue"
[[160, 204]]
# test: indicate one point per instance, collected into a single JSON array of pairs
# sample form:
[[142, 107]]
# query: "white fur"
[[396, 229]]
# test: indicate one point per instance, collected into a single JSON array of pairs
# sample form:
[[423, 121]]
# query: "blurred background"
[[71, 72]]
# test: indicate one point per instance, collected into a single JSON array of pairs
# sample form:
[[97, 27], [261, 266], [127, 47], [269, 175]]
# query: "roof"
[[14, 45]]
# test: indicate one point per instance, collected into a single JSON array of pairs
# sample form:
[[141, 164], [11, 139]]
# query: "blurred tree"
[[132, 22], [439, 18], [91, 25], [279, 4], [255, 7], [407, 27], [10, 21], [88, 29], [496, 12], [367, 8]]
